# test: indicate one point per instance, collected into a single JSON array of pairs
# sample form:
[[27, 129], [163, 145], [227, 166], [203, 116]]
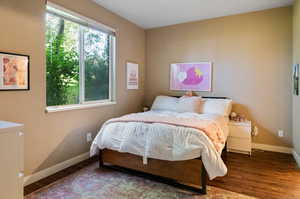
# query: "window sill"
[[52, 109]]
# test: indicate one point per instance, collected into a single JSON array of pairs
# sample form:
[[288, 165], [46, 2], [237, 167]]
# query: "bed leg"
[[224, 153], [100, 159], [203, 179], [225, 148]]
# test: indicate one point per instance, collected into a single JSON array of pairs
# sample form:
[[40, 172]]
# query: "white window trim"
[[78, 18], [53, 109], [112, 66], [81, 67]]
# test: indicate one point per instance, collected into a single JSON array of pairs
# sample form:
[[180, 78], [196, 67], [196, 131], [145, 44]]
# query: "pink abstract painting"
[[191, 76]]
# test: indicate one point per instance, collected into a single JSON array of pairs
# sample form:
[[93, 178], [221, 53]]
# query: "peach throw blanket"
[[208, 127]]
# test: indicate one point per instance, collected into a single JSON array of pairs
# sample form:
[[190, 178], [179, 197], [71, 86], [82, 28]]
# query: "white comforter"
[[165, 142]]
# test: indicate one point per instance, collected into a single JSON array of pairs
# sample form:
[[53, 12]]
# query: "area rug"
[[94, 183]]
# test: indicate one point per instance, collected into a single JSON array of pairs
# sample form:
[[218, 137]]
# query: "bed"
[[176, 145]]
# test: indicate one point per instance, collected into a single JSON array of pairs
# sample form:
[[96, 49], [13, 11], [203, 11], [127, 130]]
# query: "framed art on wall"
[[14, 71], [132, 75], [195, 76]]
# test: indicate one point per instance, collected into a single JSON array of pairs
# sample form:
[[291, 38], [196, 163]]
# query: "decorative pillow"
[[216, 106], [165, 103], [189, 104]]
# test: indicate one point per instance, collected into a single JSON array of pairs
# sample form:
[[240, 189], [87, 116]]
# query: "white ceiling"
[[157, 13]]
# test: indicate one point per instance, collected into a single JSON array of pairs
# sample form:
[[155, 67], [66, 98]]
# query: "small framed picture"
[[132, 75], [14, 72]]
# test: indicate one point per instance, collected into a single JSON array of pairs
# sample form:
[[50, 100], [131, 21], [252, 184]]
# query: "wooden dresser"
[[11, 160]]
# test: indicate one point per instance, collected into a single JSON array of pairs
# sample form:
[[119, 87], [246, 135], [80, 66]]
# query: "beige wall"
[[51, 138], [296, 59], [252, 56]]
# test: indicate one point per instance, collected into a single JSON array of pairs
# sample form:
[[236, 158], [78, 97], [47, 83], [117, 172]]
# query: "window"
[[80, 60]]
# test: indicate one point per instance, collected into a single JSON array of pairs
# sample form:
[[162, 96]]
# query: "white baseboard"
[[54, 169], [296, 157], [273, 148]]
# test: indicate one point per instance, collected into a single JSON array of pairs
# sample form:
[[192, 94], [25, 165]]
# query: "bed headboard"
[[215, 97], [209, 97]]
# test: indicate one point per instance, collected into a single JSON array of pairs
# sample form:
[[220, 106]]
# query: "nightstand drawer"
[[240, 131], [239, 144]]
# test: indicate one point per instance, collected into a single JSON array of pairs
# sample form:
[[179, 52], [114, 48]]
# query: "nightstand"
[[239, 139]]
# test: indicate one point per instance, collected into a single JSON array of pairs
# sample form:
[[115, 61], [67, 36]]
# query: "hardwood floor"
[[264, 175]]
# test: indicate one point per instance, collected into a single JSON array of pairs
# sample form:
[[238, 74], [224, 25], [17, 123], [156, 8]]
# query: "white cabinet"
[[239, 139], [11, 160]]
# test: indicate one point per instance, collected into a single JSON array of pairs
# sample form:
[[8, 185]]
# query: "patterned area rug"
[[94, 183]]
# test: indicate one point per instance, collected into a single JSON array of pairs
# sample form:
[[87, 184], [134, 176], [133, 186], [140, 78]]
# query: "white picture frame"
[[132, 75]]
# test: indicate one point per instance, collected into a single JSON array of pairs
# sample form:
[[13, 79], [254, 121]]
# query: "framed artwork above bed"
[[196, 76]]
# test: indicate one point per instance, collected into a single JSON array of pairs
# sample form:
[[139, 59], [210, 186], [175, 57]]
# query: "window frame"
[[85, 22]]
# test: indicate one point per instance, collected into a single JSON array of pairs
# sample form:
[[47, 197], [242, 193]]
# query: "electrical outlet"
[[89, 137], [280, 133]]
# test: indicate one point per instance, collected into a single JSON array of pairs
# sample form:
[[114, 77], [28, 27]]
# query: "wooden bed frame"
[[188, 174], [183, 174]]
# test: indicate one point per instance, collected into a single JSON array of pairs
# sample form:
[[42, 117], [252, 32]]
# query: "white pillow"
[[217, 106], [165, 103], [182, 104], [189, 104]]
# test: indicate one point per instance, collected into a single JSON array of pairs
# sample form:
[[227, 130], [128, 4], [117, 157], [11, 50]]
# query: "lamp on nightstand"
[[145, 109]]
